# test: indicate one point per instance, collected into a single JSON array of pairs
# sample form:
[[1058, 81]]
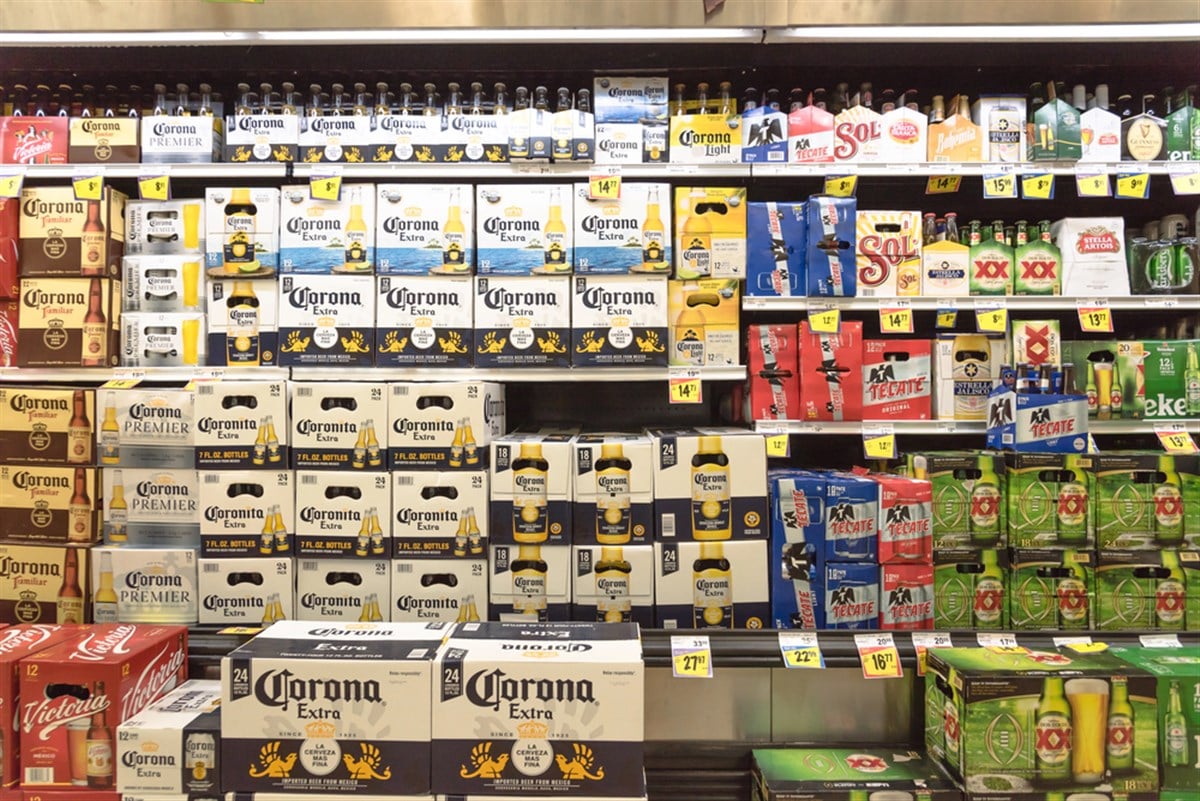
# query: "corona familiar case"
[[247, 513], [529, 582], [580, 732], [613, 584], [44, 584], [173, 339], [341, 514], [338, 425], [295, 718], [153, 585], [47, 424], [171, 745], [619, 320], [41, 503], [613, 489], [449, 590], [424, 321], [425, 229], [710, 232], [1178, 710], [628, 235], [522, 229], [439, 514], [337, 589], [532, 488], [327, 319], [246, 591], [104, 140], [163, 284], [241, 424], [522, 321], [703, 317], [69, 322], [109, 675], [324, 236], [711, 585], [241, 231], [151, 508], [63, 236], [146, 427], [164, 227], [446, 425], [844, 774]]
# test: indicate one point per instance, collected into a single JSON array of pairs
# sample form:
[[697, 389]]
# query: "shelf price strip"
[[878, 655], [801, 650], [841, 185], [1133, 185], [923, 641], [879, 441], [999, 639], [896, 317], [1095, 316], [11, 183], [999, 186], [777, 439], [88, 187], [942, 184], [1037, 186], [947, 313], [1175, 439], [1160, 641], [1092, 183], [605, 186], [825, 320], [991, 317], [683, 385], [154, 187], [691, 657]]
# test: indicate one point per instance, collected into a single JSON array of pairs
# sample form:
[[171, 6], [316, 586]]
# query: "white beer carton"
[[945, 270], [163, 339], [905, 136], [523, 229], [162, 284], [164, 227], [614, 489], [329, 709], [337, 139], [580, 733], [337, 425], [1002, 120], [1093, 256], [424, 320], [448, 590], [439, 514], [241, 424], [153, 585], [522, 321], [151, 508], [261, 138], [145, 427], [629, 235], [240, 335], [619, 320], [711, 585], [531, 485], [529, 582], [237, 216], [170, 747], [408, 138], [337, 589], [425, 229], [613, 584], [181, 140], [327, 236], [247, 513], [327, 319], [246, 591], [631, 119], [342, 514], [443, 425]]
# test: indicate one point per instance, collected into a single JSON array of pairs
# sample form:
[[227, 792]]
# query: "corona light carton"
[[341, 514], [705, 139], [163, 284], [174, 339], [524, 230], [710, 232], [843, 774], [522, 321], [619, 320], [182, 140], [153, 585], [970, 588], [631, 120], [44, 503], [246, 591], [529, 582], [613, 489], [241, 424], [171, 745], [62, 236], [337, 589], [326, 319], [144, 427], [243, 322], [424, 321], [109, 675], [57, 325], [261, 138], [44, 584], [339, 425], [1093, 256], [532, 488], [897, 379], [241, 226], [449, 590], [1050, 500], [345, 139], [703, 317], [549, 710], [439, 514], [47, 424], [711, 585], [323, 236], [443, 425], [313, 707], [627, 235], [425, 229], [776, 241], [1147, 590], [246, 513], [613, 584], [1050, 589], [151, 508], [164, 227], [889, 253], [906, 596]]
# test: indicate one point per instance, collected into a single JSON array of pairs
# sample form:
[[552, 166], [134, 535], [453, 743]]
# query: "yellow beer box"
[[342, 514], [63, 236], [243, 322], [245, 591], [425, 229], [103, 140], [613, 584], [241, 424], [146, 427], [703, 317], [627, 235], [710, 232], [67, 322], [614, 489], [889, 253], [424, 320], [580, 734], [48, 503], [44, 584], [439, 514], [247, 513], [163, 339], [619, 320], [524, 229], [164, 227], [711, 585], [327, 319], [330, 709], [447, 590], [631, 119], [46, 424], [706, 139], [163, 284], [335, 425], [153, 508], [344, 139], [261, 138], [241, 231], [327, 236], [171, 745], [443, 425], [522, 321], [529, 582], [956, 140], [182, 140], [152, 585], [336, 589], [531, 486]]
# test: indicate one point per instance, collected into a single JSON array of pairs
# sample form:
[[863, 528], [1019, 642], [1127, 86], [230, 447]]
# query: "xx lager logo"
[[866, 763], [1071, 504], [988, 599], [1120, 736], [991, 268], [1053, 739], [1036, 270]]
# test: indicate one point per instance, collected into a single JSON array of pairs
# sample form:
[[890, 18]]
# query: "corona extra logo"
[[490, 688], [282, 688]]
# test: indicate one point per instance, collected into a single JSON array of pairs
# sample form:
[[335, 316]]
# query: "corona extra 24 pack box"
[[551, 709], [330, 708]]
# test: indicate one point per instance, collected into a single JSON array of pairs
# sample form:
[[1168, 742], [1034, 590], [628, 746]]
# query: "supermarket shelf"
[[509, 374], [218, 170], [933, 168], [1099, 427], [518, 171], [101, 374], [1016, 302]]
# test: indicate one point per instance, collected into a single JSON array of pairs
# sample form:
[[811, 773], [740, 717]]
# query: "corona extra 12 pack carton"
[[424, 321], [170, 747]]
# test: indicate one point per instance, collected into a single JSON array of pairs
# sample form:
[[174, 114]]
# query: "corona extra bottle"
[[470, 447], [79, 431], [613, 516], [376, 534], [454, 237], [242, 345], [356, 236], [613, 604], [695, 240], [472, 612], [374, 457], [118, 511], [712, 588], [456, 447], [462, 610], [376, 612], [110, 434], [529, 583], [260, 444], [104, 602], [273, 454], [474, 538], [281, 532], [555, 236], [277, 608], [269, 609], [460, 536], [359, 459], [654, 237], [529, 509], [239, 254], [266, 538], [710, 492]]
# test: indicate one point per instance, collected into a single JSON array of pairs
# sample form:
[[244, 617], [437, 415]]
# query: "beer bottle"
[[887, 101], [1119, 745], [80, 510], [988, 602], [796, 99], [91, 242], [1052, 734], [79, 431], [613, 604], [110, 434], [358, 459], [383, 103], [711, 517], [937, 110], [474, 538], [160, 101], [702, 106], [244, 106], [985, 504], [1117, 393], [456, 446], [118, 512], [470, 446], [952, 227], [104, 602], [239, 252], [273, 454], [281, 532], [99, 746], [529, 583], [182, 101], [376, 534], [929, 228], [820, 99], [476, 107], [363, 542], [290, 101], [375, 613], [316, 101], [1093, 398], [205, 108], [613, 517], [1072, 509], [1071, 591], [460, 535], [362, 101], [356, 235], [1175, 740], [772, 100], [529, 509], [430, 107], [725, 104], [678, 104], [555, 252], [266, 537], [1168, 505], [453, 99], [69, 607], [94, 348], [840, 101], [653, 236], [453, 236], [242, 342], [1191, 381], [374, 456], [712, 588], [337, 100], [1170, 597], [259, 456], [500, 99]]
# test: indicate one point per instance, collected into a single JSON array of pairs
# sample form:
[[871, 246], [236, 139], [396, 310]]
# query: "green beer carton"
[[1183, 130], [1038, 267], [1137, 590], [970, 588], [1138, 501], [1054, 133], [1018, 720], [1050, 589], [1049, 500], [847, 774], [968, 497], [1188, 467], [1163, 392], [1178, 672], [1058, 795]]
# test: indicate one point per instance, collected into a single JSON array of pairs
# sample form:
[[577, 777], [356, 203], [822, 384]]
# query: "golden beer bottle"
[[359, 458], [281, 532], [118, 511], [474, 538], [79, 431], [260, 444], [110, 434], [69, 607], [374, 457], [104, 601]]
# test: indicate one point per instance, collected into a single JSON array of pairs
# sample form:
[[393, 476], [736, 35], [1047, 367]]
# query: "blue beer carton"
[[776, 241], [832, 243]]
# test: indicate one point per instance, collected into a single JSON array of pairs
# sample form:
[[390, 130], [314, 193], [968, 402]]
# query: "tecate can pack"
[[711, 585], [340, 589], [532, 487], [241, 424], [449, 590], [151, 508], [47, 424], [247, 513], [851, 519], [618, 320], [293, 717], [162, 284], [831, 374], [581, 733], [906, 597], [164, 227], [44, 583], [424, 320], [613, 489], [529, 582], [151, 585], [443, 425], [425, 229], [613, 583], [341, 514], [628, 235], [339, 425], [797, 499], [171, 745], [323, 236], [897, 376], [1037, 423], [41, 503], [905, 519], [776, 245], [146, 427], [522, 321], [246, 591], [241, 227], [830, 251], [327, 319], [847, 596], [439, 514], [524, 230]]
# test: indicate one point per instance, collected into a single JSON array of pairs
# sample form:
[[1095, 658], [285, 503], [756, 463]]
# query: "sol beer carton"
[[831, 373], [897, 376], [327, 319], [1147, 590], [282, 707], [531, 488], [1050, 589], [151, 585], [858, 135], [151, 508], [257, 138], [529, 582], [832, 237], [241, 424], [905, 520], [62, 236], [889, 254], [582, 735], [163, 284], [1050, 500], [338, 425], [906, 596], [711, 585], [970, 588], [439, 514], [443, 425], [524, 230], [164, 227], [810, 135], [241, 226], [613, 584], [243, 322], [46, 424], [627, 235], [776, 245], [968, 497], [522, 321], [69, 322], [424, 229], [340, 514], [613, 489], [844, 774], [146, 427], [846, 596], [337, 589], [424, 321], [44, 584], [703, 317], [171, 745], [773, 361], [447, 590], [710, 232], [631, 120], [323, 236], [113, 672], [246, 513], [42, 503], [246, 591], [619, 321]]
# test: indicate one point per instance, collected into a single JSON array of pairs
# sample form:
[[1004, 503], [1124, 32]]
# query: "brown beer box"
[[104, 140], [46, 584], [46, 425], [44, 504], [69, 322], [64, 236]]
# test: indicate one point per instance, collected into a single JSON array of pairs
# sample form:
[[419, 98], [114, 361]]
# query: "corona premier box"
[[153, 508], [103, 140], [529, 582], [449, 590], [146, 427], [181, 140], [163, 284], [171, 745], [46, 424], [243, 322], [164, 227], [163, 339], [522, 321], [1147, 590], [246, 513], [619, 321], [241, 226], [246, 591], [845, 774], [113, 672], [889, 254], [241, 424], [153, 585], [631, 120], [261, 138], [522, 229], [62, 236], [710, 232], [425, 229], [323, 236], [327, 320], [287, 694], [627, 235], [44, 584], [49, 504], [439, 514], [897, 376], [424, 321], [582, 734], [711, 585], [338, 425], [531, 488], [69, 322], [970, 588], [337, 139], [613, 489], [613, 584], [446, 425], [342, 513], [1051, 590], [704, 322], [337, 589]]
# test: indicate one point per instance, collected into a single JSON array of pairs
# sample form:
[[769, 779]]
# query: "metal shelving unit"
[[1014, 302], [927, 427]]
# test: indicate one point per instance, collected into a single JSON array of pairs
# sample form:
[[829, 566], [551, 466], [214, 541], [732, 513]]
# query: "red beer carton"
[[897, 379], [9, 313], [905, 520], [773, 356], [67, 794], [906, 597], [33, 140], [75, 694], [831, 381], [10, 235]]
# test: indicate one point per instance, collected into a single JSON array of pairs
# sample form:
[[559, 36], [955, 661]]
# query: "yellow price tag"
[[777, 446], [896, 320], [991, 321], [947, 318], [924, 640], [325, 187], [155, 187], [1186, 183], [683, 386], [88, 187], [942, 184], [1095, 319], [1092, 185], [882, 446], [825, 321], [10, 185], [691, 658], [1176, 441], [121, 383], [1037, 186], [1133, 185], [1088, 647], [879, 657], [999, 186], [802, 658], [604, 187], [250, 630], [841, 185]]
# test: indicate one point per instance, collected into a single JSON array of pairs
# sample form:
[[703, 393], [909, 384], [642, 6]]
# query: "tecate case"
[[44, 583], [831, 240], [711, 585], [905, 519], [897, 378], [613, 489], [531, 487], [327, 319], [152, 585], [906, 597], [529, 582], [439, 514], [847, 596], [241, 231], [338, 589], [425, 229], [582, 733], [40, 503], [163, 284], [619, 320], [248, 513], [522, 321], [47, 424], [613, 583], [776, 241], [339, 425], [831, 373], [294, 718], [161, 227], [171, 745], [627, 235], [341, 514], [324, 236], [246, 591], [424, 321], [146, 428], [851, 519], [242, 424], [151, 508], [523, 229], [443, 425], [449, 590]]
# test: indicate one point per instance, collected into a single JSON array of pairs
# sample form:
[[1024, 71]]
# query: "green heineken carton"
[[1051, 589], [1164, 391], [1188, 467], [1054, 132], [1178, 672], [1110, 373], [1139, 501], [970, 588], [968, 497], [847, 774], [1139, 590], [1049, 500], [1017, 720], [1183, 130]]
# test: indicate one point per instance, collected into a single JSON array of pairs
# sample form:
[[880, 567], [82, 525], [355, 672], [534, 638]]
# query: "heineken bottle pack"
[[1178, 673], [1136, 379]]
